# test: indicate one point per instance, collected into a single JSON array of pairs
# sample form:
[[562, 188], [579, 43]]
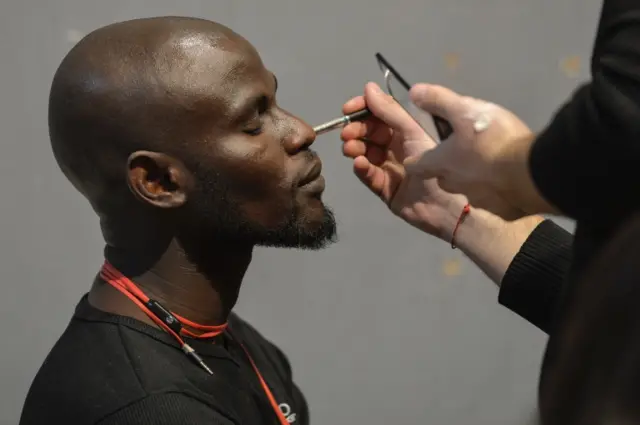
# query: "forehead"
[[220, 75]]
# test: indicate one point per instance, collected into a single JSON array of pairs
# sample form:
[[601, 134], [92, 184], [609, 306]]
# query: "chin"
[[319, 227], [310, 228]]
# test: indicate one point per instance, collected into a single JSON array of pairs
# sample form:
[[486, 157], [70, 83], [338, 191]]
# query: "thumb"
[[437, 100], [427, 165]]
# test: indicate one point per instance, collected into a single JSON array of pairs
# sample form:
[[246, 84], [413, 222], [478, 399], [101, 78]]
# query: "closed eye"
[[262, 105], [254, 132]]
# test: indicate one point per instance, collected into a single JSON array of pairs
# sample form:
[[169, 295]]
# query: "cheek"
[[255, 164], [259, 178]]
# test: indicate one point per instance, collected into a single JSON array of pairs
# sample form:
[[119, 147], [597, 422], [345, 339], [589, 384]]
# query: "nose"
[[301, 137]]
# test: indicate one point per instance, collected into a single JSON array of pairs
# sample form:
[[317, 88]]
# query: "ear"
[[158, 179]]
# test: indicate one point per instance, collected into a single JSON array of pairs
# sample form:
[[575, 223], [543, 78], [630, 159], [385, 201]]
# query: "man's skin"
[[187, 159]]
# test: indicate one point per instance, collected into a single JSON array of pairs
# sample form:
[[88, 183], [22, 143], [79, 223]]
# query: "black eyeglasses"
[[398, 88]]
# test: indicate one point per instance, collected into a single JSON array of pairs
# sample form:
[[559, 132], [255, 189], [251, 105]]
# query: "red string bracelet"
[[463, 215]]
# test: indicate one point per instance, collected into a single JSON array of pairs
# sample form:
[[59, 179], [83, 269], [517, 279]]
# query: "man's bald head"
[[178, 116], [131, 86]]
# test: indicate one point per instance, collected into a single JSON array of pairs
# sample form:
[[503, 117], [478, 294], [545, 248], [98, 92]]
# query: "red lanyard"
[[166, 321]]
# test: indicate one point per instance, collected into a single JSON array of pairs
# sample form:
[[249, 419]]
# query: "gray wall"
[[388, 326]]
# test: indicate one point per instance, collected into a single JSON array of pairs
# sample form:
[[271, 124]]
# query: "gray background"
[[387, 326]]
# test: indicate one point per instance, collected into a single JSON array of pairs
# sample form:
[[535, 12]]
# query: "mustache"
[[310, 155]]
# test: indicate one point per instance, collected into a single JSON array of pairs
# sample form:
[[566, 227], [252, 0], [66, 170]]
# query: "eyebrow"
[[251, 104]]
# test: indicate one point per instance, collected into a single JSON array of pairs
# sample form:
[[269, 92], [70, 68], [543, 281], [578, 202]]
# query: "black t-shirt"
[[108, 369]]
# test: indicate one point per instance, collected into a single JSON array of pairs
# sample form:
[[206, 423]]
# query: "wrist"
[[514, 180], [491, 242], [454, 212], [476, 231]]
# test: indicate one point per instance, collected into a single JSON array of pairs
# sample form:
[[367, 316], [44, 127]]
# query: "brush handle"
[[360, 115], [342, 121]]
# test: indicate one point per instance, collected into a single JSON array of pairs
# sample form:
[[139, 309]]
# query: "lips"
[[312, 175]]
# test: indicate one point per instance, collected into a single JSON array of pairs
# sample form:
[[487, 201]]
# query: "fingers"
[[438, 100], [386, 109], [370, 175], [369, 128], [355, 104], [388, 116], [356, 148], [372, 129]]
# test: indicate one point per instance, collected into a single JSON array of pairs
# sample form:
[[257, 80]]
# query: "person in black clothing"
[[596, 376], [169, 127], [578, 166]]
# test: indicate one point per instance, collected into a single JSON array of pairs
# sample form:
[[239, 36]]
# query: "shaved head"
[[173, 120], [118, 83]]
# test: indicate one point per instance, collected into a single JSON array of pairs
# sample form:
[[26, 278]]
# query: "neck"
[[200, 284]]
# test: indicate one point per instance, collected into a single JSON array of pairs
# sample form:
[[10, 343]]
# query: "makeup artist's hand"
[[486, 157], [392, 139], [379, 147]]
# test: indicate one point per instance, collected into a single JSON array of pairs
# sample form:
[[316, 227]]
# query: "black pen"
[[360, 115]]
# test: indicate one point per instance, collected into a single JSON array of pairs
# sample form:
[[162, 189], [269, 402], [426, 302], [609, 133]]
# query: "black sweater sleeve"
[[592, 146], [166, 409], [532, 284]]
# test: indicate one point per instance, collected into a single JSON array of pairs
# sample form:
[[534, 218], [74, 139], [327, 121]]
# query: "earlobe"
[[157, 179]]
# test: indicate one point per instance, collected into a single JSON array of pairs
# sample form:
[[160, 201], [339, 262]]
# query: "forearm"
[[492, 243], [528, 258]]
